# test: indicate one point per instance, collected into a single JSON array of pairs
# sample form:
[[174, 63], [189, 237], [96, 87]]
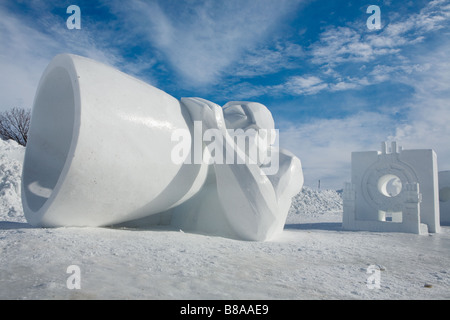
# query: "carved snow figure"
[[100, 152], [240, 200], [393, 191]]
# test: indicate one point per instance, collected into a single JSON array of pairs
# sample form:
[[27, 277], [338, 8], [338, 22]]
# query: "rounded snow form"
[[100, 153]]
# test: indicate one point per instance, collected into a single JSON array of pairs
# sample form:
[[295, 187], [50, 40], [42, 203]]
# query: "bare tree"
[[14, 124]]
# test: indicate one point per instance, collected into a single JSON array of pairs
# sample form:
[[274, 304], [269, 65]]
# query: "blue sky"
[[332, 85]]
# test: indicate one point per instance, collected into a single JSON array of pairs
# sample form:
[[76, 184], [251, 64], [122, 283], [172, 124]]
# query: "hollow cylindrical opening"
[[50, 137], [390, 185]]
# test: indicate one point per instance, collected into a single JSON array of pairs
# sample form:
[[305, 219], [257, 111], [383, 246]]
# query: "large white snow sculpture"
[[101, 152], [240, 200], [444, 196], [393, 191]]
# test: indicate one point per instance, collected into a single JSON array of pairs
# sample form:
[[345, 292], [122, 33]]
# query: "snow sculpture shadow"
[[328, 226], [101, 153], [10, 225]]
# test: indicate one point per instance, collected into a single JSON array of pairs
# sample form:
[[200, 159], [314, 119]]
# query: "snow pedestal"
[[392, 191], [444, 196]]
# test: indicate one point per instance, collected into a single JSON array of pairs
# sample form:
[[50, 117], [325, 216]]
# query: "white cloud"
[[32, 43], [21, 61], [383, 56], [428, 120], [202, 39], [343, 85], [303, 85], [324, 145], [262, 61], [294, 86], [413, 28], [339, 46], [244, 91]]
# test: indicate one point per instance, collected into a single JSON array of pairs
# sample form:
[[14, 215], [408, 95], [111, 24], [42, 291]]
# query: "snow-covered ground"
[[312, 259]]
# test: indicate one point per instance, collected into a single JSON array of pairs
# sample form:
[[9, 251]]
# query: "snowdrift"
[[11, 158], [311, 204]]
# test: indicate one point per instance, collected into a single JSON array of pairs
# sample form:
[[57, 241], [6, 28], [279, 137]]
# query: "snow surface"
[[312, 259]]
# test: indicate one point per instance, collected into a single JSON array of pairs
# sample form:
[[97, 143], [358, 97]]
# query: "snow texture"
[[312, 259], [11, 158], [311, 204]]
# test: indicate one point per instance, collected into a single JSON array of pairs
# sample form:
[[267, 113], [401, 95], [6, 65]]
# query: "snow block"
[[394, 190], [100, 153], [444, 196]]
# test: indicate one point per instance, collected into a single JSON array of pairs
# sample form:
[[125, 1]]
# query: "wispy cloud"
[[202, 39], [303, 85], [428, 120], [351, 43], [432, 17], [294, 86], [325, 145], [22, 61], [351, 57], [266, 61], [33, 40], [344, 44]]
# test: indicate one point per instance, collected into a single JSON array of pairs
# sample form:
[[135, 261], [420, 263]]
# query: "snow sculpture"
[[100, 153], [444, 196], [240, 201], [392, 191]]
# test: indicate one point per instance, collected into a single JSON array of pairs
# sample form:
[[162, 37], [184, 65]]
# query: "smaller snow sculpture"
[[392, 191], [444, 196], [101, 152]]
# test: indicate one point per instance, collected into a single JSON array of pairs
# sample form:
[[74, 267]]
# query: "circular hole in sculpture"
[[390, 185], [50, 137]]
